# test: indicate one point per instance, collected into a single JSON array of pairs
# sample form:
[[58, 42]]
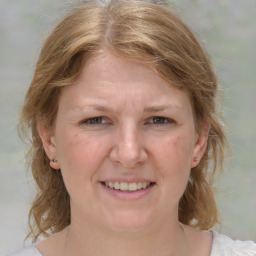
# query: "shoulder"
[[225, 246], [28, 251], [49, 246]]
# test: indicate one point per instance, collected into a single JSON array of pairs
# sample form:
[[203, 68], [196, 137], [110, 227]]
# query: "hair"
[[145, 31]]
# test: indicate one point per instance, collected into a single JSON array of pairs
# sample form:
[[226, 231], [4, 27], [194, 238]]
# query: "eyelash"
[[155, 120], [93, 121], [163, 120]]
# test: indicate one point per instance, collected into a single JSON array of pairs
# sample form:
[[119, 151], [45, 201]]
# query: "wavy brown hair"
[[145, 31]]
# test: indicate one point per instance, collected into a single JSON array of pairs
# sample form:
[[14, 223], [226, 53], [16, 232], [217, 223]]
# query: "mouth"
[[128, 186]]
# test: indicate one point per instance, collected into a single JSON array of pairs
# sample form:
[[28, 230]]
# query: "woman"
[[126, 139]]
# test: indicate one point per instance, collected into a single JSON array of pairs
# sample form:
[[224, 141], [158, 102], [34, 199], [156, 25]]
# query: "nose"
[[128, 150]]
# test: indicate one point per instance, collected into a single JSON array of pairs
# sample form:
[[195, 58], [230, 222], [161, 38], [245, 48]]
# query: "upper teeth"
[[125, 186]]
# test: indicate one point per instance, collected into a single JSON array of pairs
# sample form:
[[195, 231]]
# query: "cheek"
[[81, 155], [176, 150], [173, 160], [85, 148]]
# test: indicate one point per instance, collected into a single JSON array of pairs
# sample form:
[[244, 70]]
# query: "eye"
[[160, 120], [94, 121]]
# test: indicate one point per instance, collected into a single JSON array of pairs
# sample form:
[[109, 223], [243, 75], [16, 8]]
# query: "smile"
[[126, 186]]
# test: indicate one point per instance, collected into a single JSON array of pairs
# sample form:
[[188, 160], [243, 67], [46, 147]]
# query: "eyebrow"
[[99, 108], [160, 108], [102, 108]]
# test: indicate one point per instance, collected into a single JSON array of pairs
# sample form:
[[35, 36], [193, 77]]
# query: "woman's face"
[[125, 142]]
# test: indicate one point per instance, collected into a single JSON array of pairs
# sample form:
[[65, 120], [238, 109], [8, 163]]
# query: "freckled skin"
[[128, 145]]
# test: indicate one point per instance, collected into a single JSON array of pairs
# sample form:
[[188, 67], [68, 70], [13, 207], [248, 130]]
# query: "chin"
[[130, 222]]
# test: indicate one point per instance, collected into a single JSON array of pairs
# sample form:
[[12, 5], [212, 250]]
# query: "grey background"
[[226, 28]]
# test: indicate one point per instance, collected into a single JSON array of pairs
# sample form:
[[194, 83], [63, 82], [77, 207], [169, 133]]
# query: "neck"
[[168, 240]]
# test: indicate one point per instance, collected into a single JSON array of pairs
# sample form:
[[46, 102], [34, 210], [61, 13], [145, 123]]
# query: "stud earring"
[[195, 159], [54, 160]]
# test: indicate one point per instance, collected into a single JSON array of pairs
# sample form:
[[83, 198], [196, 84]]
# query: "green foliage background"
[[226, 28]]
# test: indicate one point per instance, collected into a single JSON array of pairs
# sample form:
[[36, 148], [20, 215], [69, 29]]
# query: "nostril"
[[128, 154]]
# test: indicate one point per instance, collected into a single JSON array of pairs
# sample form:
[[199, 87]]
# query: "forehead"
[[108, 77], [107, 65]]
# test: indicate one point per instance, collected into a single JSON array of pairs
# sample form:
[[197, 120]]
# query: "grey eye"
[[94, 120], [160, 120]]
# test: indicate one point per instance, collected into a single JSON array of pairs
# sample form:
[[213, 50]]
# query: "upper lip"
[[127, 180]]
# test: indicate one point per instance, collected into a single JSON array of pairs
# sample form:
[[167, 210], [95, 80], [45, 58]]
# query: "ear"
[[49, 144], [200, 143]]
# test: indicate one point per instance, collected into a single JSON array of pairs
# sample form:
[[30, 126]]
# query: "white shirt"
[[221, 246], [225, 246]]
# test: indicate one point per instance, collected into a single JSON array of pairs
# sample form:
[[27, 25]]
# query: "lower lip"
[[128, 195]]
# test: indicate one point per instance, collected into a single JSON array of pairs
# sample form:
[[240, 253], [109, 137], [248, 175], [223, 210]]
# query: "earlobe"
[[48, 140], [54, 164], [200, 144]]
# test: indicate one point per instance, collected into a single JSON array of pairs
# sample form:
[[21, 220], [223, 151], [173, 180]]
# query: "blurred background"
[[227, 29]]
